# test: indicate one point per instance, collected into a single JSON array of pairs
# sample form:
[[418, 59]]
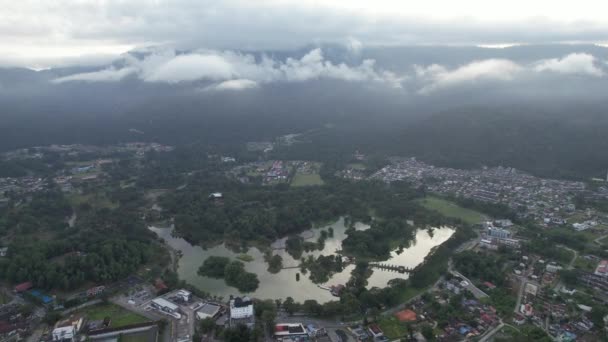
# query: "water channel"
[[284, 284]]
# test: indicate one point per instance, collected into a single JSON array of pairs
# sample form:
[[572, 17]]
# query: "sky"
[[42, 34]]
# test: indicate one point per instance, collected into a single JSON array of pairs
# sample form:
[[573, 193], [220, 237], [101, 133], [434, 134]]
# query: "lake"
[[284, 284]]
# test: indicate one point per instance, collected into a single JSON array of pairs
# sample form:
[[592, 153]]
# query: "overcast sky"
[[47, 33]]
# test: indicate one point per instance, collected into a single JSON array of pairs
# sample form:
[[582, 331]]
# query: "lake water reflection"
[[284, 284]]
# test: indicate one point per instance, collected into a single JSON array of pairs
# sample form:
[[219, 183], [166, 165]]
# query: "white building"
[[164, 305], [65, 334], [241, 308], [241, 311], [184, 295]]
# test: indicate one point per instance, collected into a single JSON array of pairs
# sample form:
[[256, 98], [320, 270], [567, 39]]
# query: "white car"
[[464, 283]]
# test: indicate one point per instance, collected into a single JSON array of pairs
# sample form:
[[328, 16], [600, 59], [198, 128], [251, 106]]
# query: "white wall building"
[[64, 334]]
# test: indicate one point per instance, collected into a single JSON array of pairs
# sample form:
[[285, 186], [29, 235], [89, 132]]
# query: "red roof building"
[[23, 287], [160, 285], [406, 316]]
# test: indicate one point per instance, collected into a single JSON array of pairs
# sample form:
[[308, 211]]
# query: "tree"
[[427, 332], [207, 325], [214, 267], [290, 306]]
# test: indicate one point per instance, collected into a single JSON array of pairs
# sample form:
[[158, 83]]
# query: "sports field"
[[450, 209]]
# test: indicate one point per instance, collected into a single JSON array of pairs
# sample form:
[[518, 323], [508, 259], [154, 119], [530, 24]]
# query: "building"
[[553, 268], [291, 332], [241, 311], [164, 305], [208, 310], [488, 244], [504, 223], [183, 296], [23, 287], [406, 316], [64, 334], [95, 291], [499, 233], [68, 329], [602, 269], [216, 196], [375, 331]]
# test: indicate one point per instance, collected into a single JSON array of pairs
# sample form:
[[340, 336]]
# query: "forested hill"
[[565, 143]]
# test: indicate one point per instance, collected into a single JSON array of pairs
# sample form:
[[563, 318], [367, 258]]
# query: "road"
[[478, 293], [570, 265], [491, 333]]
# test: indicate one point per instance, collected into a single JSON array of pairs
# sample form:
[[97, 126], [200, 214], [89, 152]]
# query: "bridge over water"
[[389, 267]]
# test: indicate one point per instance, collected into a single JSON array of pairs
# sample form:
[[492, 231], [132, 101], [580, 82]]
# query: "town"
[[507, 282]]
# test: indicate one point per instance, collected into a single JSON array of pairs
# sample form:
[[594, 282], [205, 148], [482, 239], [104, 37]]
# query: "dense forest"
[[104, 245], [253, 213]]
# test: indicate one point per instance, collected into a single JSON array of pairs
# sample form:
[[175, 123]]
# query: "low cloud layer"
[[436, 77], [576, 63], [36, 33], [230, 69]]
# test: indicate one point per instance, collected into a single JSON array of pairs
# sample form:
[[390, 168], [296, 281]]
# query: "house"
[[553, 268], [23, 287], [375, 331], [95, 291], [160, 286], [406, 316], [216, 196], [531, 289], [489, 285], [602, 269], [64, 334], [519, 319], [526, 309]]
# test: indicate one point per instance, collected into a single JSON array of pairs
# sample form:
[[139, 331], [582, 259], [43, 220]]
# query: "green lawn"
[[450, 209], [95, 200], [584, 264], [307, 179], [245, 257], [120, 316], [391, 327], [356, 166]]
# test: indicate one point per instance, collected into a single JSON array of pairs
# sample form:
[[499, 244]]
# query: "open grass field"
[[356, 166], [120, 316], [306, 179], [450, 209], [392, 328], [95, 200]]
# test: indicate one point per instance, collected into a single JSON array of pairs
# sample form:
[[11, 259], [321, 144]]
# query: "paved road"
[[478, 293], [570, 265], [491, 333]]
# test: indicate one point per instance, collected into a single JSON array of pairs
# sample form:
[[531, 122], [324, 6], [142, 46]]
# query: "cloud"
[[191, 68], [34, 32], [576, 63], [107, 75], [239, 84], [232, 69], [437, 76]]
